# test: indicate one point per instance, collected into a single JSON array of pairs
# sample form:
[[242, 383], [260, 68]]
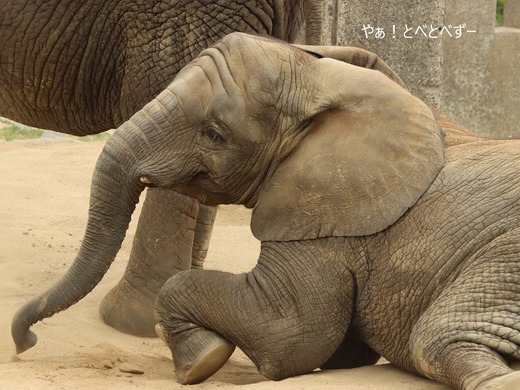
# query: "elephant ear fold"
[[356, 171], [354, 56]]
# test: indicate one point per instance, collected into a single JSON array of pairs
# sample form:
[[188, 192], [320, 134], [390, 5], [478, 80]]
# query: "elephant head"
[[274, 127], [245, 124]]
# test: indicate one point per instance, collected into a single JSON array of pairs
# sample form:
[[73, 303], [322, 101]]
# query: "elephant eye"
[[213, 135]]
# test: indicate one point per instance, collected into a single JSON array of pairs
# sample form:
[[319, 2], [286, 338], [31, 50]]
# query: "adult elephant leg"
[[163, 244], [289, 314], [203, 230]]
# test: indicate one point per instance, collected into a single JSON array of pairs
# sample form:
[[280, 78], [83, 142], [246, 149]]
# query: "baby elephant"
[[386, 231]]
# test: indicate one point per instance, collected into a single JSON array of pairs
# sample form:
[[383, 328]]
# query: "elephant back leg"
[[163, 244], [466, 336]]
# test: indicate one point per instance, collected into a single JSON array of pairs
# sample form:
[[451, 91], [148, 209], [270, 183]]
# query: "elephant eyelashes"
[[214, 136]]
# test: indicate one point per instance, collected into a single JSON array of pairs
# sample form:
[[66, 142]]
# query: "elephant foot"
[[129, 312], [505, 382], [197, 354]]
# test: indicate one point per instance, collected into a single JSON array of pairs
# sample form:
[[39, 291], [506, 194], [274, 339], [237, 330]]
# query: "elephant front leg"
[[289, 314], [172, 233], [203, 229]]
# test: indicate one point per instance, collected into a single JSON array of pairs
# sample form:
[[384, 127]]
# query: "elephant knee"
[[273, 370], [168, 297], [424, 345], [279, 365], [430, 343]]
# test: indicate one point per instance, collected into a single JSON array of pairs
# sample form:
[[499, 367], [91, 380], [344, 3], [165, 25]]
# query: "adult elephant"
[[379, 235], [82, 67]]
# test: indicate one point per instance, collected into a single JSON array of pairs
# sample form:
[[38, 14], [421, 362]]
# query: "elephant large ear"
[[372, 149], [354, 56]]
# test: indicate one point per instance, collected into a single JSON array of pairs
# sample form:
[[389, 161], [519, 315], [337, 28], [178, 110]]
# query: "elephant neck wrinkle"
[[251, 195]]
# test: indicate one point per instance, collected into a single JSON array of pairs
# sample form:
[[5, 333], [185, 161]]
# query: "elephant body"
[[436, 293], [444, 274], [83, 67], [386, 229]]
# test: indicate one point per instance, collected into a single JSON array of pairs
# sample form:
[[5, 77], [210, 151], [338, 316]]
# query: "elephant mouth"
[[205, 190], [148, 182]]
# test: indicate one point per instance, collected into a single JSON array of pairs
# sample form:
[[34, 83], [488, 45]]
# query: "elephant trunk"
[[116, 187]]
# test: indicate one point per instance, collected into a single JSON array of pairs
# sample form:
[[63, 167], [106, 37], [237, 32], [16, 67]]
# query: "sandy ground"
[[43, 208]]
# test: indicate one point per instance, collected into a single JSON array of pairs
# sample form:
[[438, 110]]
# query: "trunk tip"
[[24, 340], [23, 337]]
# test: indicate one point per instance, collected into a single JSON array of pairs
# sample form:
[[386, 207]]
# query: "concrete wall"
[[481, 74], [417, 60], [470, 71]]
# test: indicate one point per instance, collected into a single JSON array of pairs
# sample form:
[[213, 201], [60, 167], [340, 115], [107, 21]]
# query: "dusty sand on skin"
[[43, 208]]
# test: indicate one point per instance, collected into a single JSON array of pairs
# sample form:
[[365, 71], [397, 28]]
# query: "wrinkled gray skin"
[[386, 229], [85, 67], [380, 236]]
